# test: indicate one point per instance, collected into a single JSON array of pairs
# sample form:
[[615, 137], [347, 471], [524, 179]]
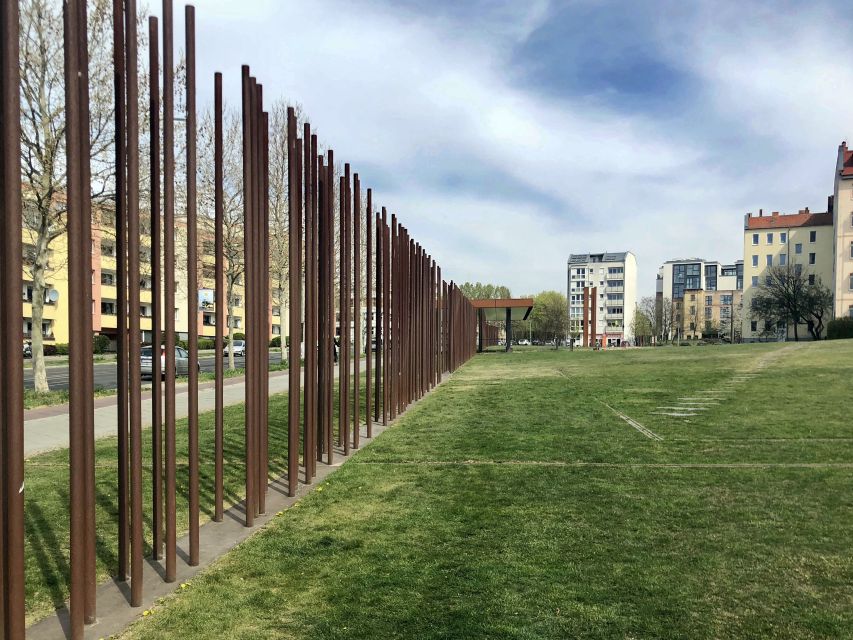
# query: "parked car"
[[182, 362], [239, 349], [524, 343], [28, 350]]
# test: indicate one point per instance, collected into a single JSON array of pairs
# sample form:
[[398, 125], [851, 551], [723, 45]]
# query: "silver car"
[[182, 362], [239, 349]]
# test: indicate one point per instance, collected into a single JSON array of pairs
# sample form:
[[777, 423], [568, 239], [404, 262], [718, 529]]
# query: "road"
[[105, 372]]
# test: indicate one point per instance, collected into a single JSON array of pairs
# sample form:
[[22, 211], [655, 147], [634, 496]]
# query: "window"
[[754, 281], [711, 277], [709, 300], [692, 297], [783, 259], [108, 278], [108, 307], [783, 237], [851, 249], [754, 261], [769, 238], [811, 279], [851, 282], [812, 236], [753, 325], [108, 250], [769, 260], [754, 238], [811, 258], [276, 311], [768, 280], [798, 248], [850, 311], [708, 311]]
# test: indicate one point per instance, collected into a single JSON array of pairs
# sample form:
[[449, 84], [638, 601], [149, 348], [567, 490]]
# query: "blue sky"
[[507, 135]]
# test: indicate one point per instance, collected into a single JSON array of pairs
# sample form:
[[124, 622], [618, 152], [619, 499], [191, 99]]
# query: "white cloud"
[[405, 98]]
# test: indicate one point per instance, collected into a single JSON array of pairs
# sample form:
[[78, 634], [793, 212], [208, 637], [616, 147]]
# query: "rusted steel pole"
[[322, 310], [248, 279], [220, 303], [386, 319], [192, 285], [81, 425], [316, 437], [309, 384], [12, 590], [368, 318], [121, 275], [134, 334], [343, 320], [396, 290], [294, 276], [380, 319], [156, 289], [86, 181], [263, 304], [169, 286], [330, 308], [356, 306], [302, 304]]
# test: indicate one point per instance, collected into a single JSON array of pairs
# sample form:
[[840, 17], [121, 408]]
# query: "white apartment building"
[[614, 276], [842, 210]]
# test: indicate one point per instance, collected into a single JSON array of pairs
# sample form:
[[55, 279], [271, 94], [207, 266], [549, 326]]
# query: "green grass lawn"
[[514, 503]]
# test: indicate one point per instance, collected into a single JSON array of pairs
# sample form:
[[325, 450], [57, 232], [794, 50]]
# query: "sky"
[[508, 135]]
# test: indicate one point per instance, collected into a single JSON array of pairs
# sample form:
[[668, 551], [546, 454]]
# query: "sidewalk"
[[46, 428]]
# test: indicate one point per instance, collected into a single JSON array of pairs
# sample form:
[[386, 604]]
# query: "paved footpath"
[[46, 428]]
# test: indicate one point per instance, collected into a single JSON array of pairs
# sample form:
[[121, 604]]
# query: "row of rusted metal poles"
[[416, 325]]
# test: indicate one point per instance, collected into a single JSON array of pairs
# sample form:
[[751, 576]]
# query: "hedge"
[[839, 329]]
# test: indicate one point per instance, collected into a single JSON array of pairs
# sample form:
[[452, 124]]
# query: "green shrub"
[[683, 344], [62, 349], [100, 343], [239, 336], [49, 349], [839, 329], [206, 343], [275, 342]]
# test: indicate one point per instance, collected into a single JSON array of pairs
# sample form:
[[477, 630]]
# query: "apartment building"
[[55, 329], [613, 277], [842, 210], [804, 238], [706, 298]]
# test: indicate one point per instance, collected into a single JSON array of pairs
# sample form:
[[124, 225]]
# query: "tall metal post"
[[310, 381], [134, 336], [169, 286], [322, 311], [248, 278], [12, 609], [356, 307], [121, 276], [368, 318], [219, 292], [192, 286], [295, 270], [156, 290]]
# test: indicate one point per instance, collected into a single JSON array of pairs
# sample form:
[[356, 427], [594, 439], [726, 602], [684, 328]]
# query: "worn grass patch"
[[518, 506]]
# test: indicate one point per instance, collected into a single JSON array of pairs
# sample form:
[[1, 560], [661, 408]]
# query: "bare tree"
[[232, 137], [43, 143], [787, 296]]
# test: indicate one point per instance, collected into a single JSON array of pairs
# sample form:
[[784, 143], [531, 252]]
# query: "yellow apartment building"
[[55, 328], [802, 238]]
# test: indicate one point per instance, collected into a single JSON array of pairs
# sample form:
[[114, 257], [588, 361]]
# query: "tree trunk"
[[37, 339], [796, 332]]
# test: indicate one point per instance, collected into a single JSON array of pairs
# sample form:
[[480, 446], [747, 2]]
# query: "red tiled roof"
[[847, 162], [782, 221]]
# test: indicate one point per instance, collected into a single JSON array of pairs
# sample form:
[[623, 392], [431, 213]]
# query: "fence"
[[423, 326]]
